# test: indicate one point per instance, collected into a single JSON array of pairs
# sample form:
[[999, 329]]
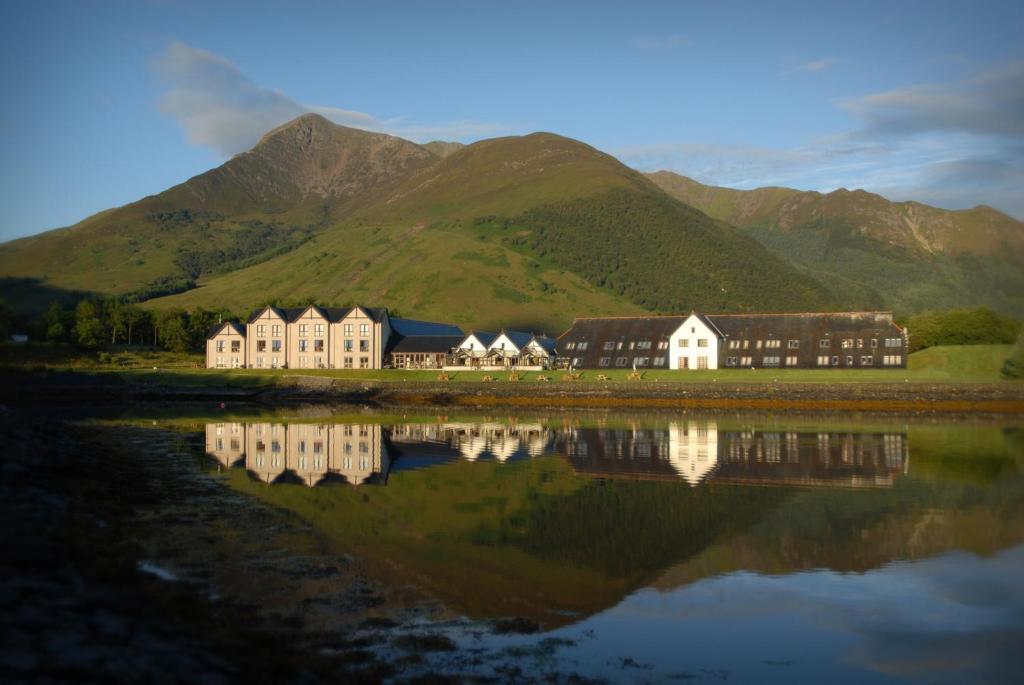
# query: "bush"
[[1013, 367], [980, 326]]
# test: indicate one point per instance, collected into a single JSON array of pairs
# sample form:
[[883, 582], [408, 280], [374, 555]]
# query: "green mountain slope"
[[873, 252], [528, 231], [253, 207]]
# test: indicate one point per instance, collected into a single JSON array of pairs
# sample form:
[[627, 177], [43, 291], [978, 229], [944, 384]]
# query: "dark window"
[[604, 361], [621, 361]]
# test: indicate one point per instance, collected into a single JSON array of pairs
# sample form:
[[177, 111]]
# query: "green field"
[[954, 364]]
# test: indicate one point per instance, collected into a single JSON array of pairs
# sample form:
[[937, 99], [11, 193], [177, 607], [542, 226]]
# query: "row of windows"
[[769, 361], [622, 362], [346, 329], [826, 360], [236, 346], [235, 363], [701, 342], [318, 447], [768, 344]]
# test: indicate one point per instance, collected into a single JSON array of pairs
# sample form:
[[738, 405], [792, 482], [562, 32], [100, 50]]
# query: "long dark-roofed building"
[[619, 342], [711, 341], [421, 344]]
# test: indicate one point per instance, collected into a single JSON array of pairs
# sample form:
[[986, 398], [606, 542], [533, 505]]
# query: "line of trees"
[[980, 326], [95, 323]]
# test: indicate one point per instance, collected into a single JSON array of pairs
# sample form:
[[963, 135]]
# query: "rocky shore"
[[907, 397]]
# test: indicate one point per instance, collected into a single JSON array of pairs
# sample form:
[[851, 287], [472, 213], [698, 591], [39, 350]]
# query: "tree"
[[116, 319], [55, 327], [199, 324], [88, 330], [173, 332], [134, 317], [6, 318], [1013, 367]]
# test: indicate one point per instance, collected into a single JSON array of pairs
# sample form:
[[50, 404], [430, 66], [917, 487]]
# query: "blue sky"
[[109, 101]]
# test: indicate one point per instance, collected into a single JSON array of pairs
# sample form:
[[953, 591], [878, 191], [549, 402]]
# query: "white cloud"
[[662, 43], [817, 65], [953, 145], [220, 107]]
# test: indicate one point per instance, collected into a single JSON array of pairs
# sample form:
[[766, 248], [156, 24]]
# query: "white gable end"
[[694, 345]]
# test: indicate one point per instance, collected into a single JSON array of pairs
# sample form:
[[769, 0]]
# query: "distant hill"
[[523, 231], [904, 255]]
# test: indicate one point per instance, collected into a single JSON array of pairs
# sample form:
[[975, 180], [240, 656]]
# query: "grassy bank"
[[953, 364]]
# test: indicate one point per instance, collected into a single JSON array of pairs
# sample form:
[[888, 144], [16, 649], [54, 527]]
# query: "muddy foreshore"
[[916, 397]]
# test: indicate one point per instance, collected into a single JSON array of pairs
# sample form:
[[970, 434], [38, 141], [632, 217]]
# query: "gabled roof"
[[407, 327], [484, 337], [216, 328], [709, 323], [518, 338], [439, 344], [549, 345], [257, 313]]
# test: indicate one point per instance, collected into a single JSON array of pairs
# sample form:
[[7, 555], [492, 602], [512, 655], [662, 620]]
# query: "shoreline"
[[907, 397]]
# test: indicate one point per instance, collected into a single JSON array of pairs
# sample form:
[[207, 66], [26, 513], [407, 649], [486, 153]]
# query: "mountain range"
[[524, 231]]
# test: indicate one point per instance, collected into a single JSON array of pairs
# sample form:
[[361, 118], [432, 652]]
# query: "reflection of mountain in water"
[[302, 453], [692, 451]]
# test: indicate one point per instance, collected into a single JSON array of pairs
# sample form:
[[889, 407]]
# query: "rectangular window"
[[604, 361], [302, 345], [261, 345], [894, 342], [642, 361], [632, 344], [220, 362], [364, 345], [702, 362], [793, 344], [791, 361], [303, 328], [702, 342], [318, 345], [364, 329], [568, 346], [892, 360], [220, 345], [610, 345], [734, 344], [860, 343], [319, 330], [746, 344], [770, 361], [822, 360], [348, 345], [579, 348], [824, 343], [867, 361], [644, 345], [621, 361], [364, 362], [746, 361], [658, 361], [874, 343], [849, 361], [348, 362], [347, 329], [261, 330], [683, 342], [835, 361], [274, 363], [758, 345], [275, 330], [236, 345], [730, 361], [663, 345], [275, 345], [774, 344]]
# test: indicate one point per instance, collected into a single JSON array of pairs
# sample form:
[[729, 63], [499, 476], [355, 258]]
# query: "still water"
[[674, 548]]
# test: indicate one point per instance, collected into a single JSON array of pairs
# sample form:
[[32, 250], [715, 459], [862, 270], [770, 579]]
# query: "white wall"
[[692, 331]]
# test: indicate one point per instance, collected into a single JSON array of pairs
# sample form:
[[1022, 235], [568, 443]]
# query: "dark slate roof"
[[484, 337], [426, 343], [256, 313], [407, 327], [801, 324], [519, 338], [549, 345], [218, 327], [599, 330]]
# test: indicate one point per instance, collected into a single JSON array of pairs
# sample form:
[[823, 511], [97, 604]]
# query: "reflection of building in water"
[[225, 442], [301, 452], [697, 450], [693, 449], [854, 459]]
